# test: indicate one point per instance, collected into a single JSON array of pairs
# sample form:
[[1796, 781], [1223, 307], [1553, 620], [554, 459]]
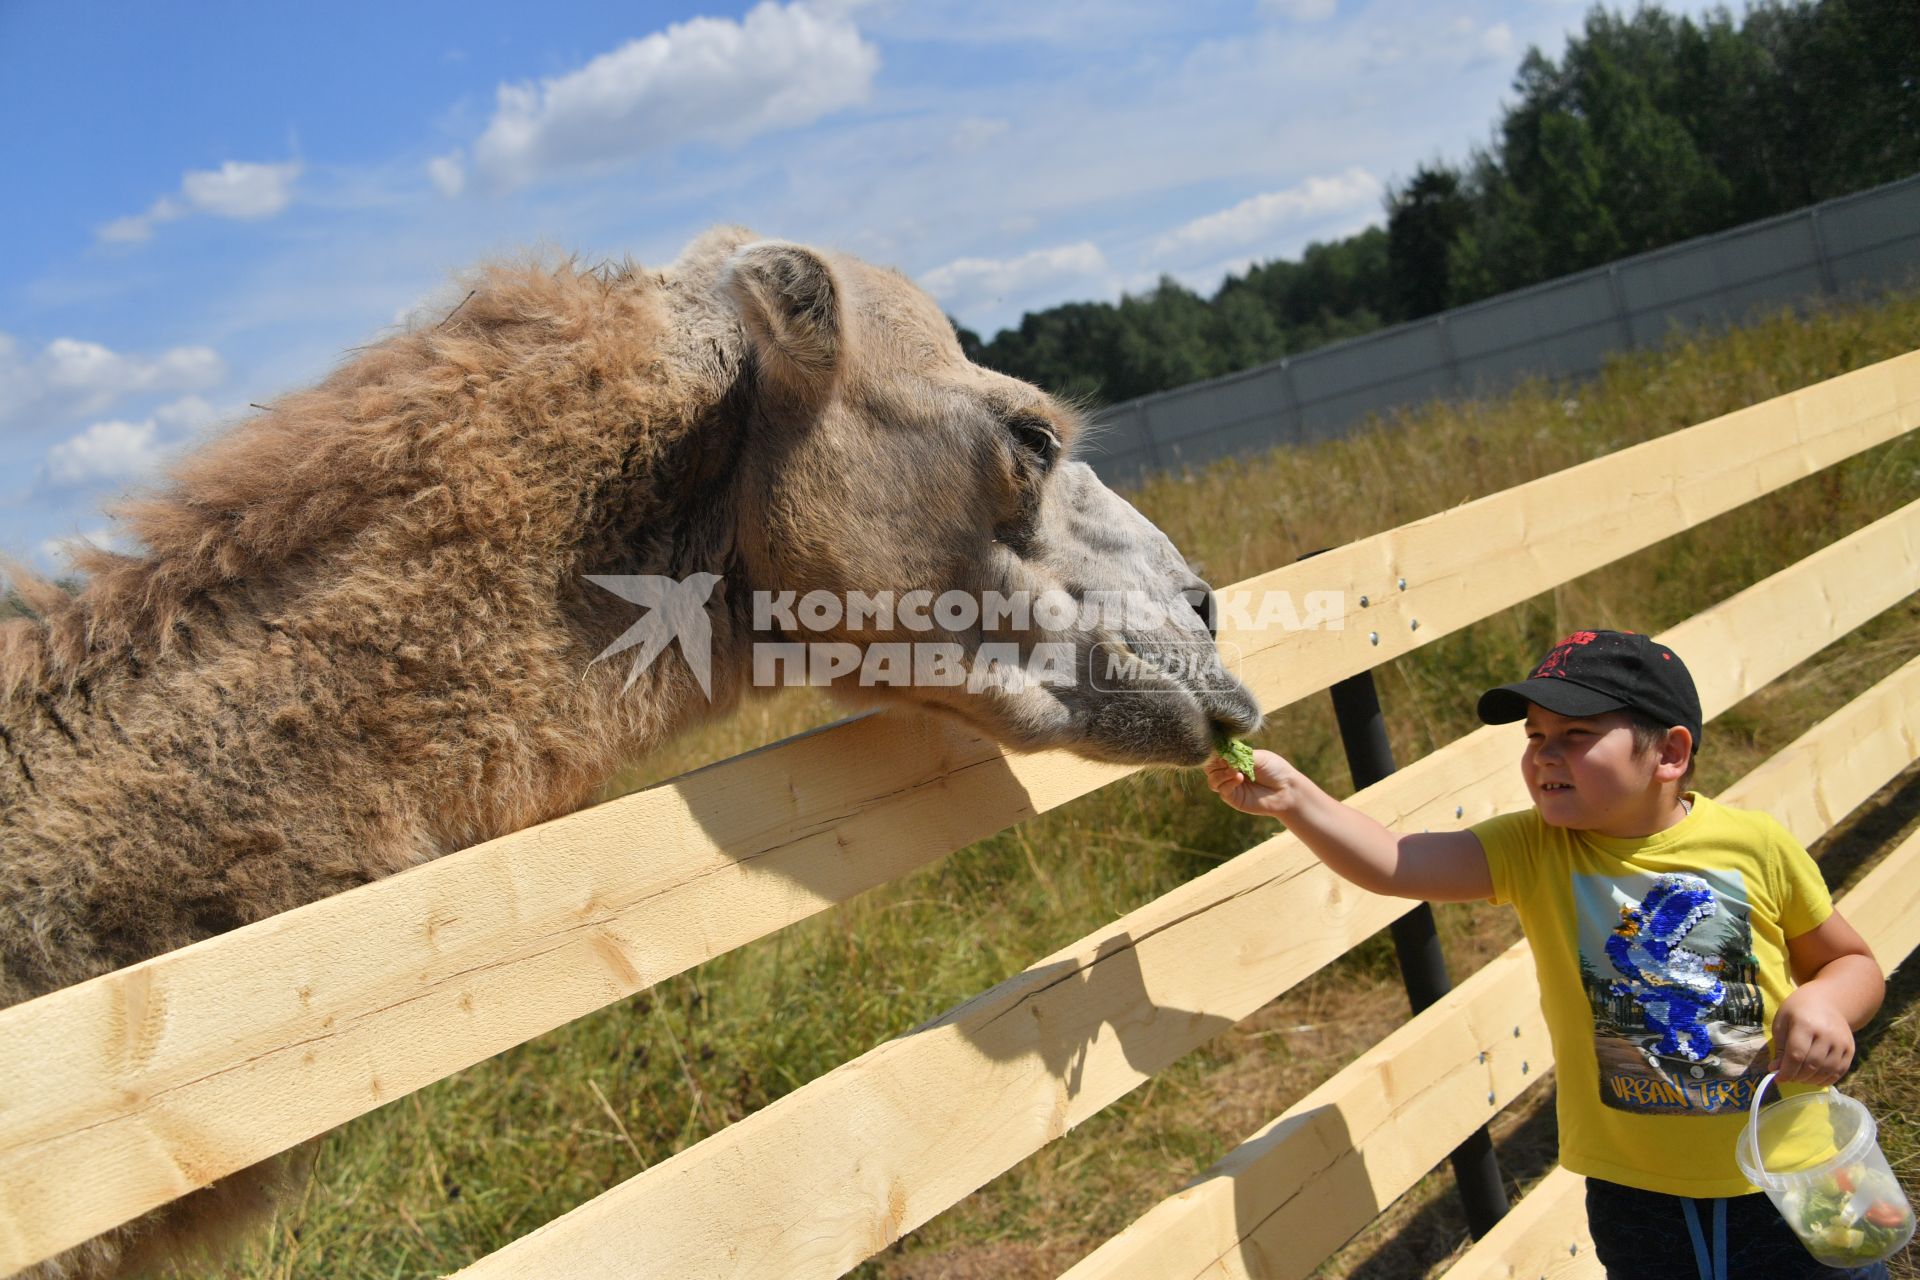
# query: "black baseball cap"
[[1592, 672]]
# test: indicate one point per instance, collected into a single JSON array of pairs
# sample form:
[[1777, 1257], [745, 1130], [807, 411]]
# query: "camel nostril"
[[1219, 730], [1200, 600]]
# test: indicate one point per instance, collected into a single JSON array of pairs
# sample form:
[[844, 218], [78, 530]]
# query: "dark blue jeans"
[[1643, 1235]]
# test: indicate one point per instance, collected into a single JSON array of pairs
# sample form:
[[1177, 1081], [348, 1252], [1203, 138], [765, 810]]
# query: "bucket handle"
[[1753, 1111], [1753, 1117], [1753, 1123]]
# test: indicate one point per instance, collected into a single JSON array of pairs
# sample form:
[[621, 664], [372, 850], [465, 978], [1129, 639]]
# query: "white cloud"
[[70, 376], [993, 284], [1078, 25], [1300, 10], [72, 365], [448, 173], [844, 8], [1259, 217], [191, 414], [111, 451], [136, 227], [237, 189], [710, 79], [118, 451], [1497, 41]]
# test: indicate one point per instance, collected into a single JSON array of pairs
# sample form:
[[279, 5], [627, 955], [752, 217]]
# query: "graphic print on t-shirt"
[[1668, 966]]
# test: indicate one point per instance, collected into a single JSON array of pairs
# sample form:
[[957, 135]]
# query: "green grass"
[[432, 1181]]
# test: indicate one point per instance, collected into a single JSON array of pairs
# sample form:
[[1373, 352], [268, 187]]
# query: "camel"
[[369, 625]]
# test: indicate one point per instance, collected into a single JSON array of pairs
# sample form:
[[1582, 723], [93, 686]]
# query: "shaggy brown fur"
[[357, 635]]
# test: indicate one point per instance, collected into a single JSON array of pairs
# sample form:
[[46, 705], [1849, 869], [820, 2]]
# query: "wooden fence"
[[132, 1089]]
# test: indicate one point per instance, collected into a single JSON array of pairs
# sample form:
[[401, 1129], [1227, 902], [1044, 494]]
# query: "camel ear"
[[790, 306]]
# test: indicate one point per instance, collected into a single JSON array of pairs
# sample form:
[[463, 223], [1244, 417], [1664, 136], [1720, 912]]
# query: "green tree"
[[1648, 129], [1424, 222]]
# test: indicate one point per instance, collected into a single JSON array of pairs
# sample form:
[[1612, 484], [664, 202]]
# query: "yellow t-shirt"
[[1662, 961]]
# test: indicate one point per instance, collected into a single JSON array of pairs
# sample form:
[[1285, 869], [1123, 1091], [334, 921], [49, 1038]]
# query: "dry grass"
[[432, 1181]]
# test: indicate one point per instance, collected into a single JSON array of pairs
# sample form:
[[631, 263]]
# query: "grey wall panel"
[[1655, 325], [1676, 276], [1742, 256], [1330, 415], [1259, 395], [1231, 441], [1120, 429], [1397, 353], [1890, 266], [1872, 219], [1123, 469], [1783, 289], [1686, 313], [1520, 318], [1564, 328], [1580, 351]]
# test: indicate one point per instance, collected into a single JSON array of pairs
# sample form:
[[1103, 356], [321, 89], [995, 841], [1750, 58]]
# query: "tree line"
[[1650, 129]]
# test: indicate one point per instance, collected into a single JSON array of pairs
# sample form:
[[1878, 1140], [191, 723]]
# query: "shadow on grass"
[[1881, 1036], [1871, 830]]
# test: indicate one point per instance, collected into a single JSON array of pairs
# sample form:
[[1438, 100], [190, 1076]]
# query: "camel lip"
[[1218, 729]]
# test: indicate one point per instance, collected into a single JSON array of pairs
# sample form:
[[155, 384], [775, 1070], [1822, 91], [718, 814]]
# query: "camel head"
[[899, 505]]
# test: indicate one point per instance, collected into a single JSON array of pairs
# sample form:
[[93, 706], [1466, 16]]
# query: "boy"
[[1666, 929]]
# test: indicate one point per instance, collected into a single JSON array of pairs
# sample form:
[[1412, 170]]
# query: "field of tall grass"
[[433, 1180]]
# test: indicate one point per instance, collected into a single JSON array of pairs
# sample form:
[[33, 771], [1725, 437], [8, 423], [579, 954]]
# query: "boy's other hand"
[[1271, 793], [1812, 1043]]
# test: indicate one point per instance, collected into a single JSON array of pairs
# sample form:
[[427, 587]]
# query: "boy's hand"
[[1441, 866], [1812, 1043], [1271, 793]]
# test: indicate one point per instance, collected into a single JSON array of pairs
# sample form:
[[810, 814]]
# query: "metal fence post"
[[1454, 383], [1416, 940], [1822, 258], [1290, 395], [1416, 943], [1620, 315], [1153, 445]]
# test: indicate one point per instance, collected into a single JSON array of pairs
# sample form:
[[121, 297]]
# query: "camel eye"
[[1037, 438]]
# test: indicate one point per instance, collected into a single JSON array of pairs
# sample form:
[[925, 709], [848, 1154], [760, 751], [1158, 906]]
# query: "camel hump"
[[789, 304]]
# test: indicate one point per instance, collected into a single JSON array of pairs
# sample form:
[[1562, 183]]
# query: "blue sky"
[[211, 202]]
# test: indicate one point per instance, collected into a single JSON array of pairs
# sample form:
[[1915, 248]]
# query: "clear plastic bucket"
[[1817, 1157]]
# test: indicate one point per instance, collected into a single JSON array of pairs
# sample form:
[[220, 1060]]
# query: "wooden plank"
[[837, 1170], [164, 1076], [1545, 1235], [1294, 1192], [1885, 905], [1834, 767], [1283, 1200], [1460, 565]]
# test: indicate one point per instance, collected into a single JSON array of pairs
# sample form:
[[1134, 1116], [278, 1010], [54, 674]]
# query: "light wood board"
[[149, 1082], [832, 1173]]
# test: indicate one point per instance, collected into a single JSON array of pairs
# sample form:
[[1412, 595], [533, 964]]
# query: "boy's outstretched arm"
[[1440, 866]]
